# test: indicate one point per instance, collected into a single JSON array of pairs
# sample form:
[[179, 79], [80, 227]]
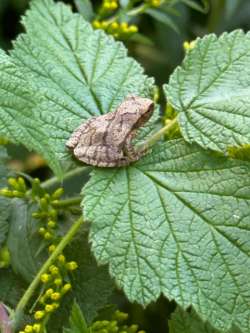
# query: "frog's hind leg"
[[74, 139], [101, 156]]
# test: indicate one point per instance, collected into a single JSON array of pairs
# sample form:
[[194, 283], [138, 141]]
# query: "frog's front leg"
[[129, 149]]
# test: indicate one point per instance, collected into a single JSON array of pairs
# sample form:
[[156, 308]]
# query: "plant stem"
[[133, 12], [138, 10], [31, 289], [216, 13], [155, 137], [54, 180], [68, 202]]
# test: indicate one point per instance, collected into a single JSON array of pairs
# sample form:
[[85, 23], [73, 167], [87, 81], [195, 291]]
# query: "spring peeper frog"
[[106, 140]]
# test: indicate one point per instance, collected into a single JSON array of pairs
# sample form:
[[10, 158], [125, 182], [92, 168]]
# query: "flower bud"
[[45, 278], [49, 292], [58, 282], [49, 308], [55, 296], [39, 315], [58, 193], [66, 288], [28, 329], [52, 248], [71, 266], [37, 328]]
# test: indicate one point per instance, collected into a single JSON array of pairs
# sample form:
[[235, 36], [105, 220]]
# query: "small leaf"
[[77, 321], [204, 8], [85, 8], [189, 322], [163, 18], [174, 223], [212, 99], [80, 72]]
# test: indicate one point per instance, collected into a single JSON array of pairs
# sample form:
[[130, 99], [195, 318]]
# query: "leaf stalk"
[[67, 202], [157, 136]]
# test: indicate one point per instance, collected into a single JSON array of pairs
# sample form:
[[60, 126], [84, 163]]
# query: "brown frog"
[[106, 140]]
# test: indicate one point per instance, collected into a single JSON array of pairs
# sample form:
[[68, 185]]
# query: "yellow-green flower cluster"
[[47, 213], [54, 288], [17, 188], [108, 6], [118, 30], [36, 328], [153, 3], [55, 281], [115, 325]]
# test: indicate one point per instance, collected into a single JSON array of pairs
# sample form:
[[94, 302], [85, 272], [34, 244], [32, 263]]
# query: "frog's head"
[[139, 109]]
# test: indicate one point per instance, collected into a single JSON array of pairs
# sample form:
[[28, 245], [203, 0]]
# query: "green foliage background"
[[159, 61]]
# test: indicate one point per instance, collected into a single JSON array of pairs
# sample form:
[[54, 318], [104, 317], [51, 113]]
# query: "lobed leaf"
[[211, 91], [79, 72], [177, 223]]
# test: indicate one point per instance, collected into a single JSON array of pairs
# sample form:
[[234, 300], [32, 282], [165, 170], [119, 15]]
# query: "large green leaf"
[[80, 72], [177, 223], [189, 322], [211, 91]]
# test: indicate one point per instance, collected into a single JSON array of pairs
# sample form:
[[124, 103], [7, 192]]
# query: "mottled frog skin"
[[106, 140]]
